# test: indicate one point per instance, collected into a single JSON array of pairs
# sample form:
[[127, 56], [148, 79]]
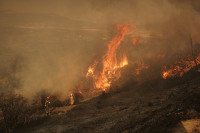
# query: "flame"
[[136, 40], [110, 64], [140, 67], [179, 70], [91, 69], [124, 61], [110, 60], [176, 71]]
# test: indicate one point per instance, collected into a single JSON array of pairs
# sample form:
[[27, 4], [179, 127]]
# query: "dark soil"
[[152, 107]]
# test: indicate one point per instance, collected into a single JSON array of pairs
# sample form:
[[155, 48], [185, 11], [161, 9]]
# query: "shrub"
[[54, 99], [41, 97], [77, 97], [15, 110]]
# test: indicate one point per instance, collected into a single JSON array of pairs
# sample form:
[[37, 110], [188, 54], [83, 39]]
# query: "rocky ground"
[[170, 106]]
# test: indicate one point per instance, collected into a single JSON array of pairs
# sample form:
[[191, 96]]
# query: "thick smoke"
[[44, 51]]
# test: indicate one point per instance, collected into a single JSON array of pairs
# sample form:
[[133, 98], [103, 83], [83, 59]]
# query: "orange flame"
[[124, 61], [110, 64], [178, 70], [140, 67], [91, 69], [110, 60], [136, 40]]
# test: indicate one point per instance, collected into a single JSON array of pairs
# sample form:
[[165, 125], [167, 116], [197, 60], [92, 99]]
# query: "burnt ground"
[[154, 107]]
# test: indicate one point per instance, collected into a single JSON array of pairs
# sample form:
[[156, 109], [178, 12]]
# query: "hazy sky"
[[103, 11]]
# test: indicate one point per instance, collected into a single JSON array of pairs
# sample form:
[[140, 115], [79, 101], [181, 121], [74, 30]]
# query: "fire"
[[110, 60], [140, 67], [176, 71], [102, 80], [110, 63], [91, 69], [124, 61], [179, 70], [135, 40]]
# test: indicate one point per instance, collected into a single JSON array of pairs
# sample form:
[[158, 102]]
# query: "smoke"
[[179, 27], [38, 53], [53, 52]]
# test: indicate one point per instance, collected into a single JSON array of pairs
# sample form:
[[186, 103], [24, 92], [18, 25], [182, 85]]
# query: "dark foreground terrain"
[[154, 107]]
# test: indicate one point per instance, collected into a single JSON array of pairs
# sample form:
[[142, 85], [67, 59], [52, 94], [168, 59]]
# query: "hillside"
[[136, 108], [139, 81]]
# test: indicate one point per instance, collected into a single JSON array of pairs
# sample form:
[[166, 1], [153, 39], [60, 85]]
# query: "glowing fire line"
[[178, 70]]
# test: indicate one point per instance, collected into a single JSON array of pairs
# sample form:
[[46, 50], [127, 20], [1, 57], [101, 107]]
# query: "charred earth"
[[156, 106]]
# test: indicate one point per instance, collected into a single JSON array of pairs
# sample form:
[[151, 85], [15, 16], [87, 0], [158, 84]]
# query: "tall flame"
[[110, 64], [91, 69], [124, 61], [110, 60]]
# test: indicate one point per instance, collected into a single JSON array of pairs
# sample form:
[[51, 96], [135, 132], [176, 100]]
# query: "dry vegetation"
[[14, 109], [17, 110]]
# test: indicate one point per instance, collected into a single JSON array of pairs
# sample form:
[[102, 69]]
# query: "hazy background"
[[48, 44]]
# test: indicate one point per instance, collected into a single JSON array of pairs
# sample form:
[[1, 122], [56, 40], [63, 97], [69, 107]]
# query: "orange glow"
[[136, 40], [109, 59], [91, 69], [140, 67], [110, 63], [124, 61], [80, 92], [178, 70], [161, 56]]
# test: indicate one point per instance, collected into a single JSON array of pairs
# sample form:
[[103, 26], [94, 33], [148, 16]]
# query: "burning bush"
[[15, 110]]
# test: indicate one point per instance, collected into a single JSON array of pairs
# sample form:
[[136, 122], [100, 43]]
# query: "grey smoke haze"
[[56, 41], [104, 11]]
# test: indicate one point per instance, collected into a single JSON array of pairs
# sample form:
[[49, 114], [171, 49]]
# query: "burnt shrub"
[[54, 99], [41, 96], [66, 102], [104, 95], [14, 109], [78, 97]]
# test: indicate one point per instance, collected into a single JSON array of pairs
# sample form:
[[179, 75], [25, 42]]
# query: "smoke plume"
[[50, 44]]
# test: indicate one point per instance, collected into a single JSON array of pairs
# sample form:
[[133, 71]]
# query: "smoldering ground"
[[54, 51]]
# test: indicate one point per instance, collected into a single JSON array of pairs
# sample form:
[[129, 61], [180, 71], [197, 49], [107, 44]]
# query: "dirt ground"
[[164, 106]]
